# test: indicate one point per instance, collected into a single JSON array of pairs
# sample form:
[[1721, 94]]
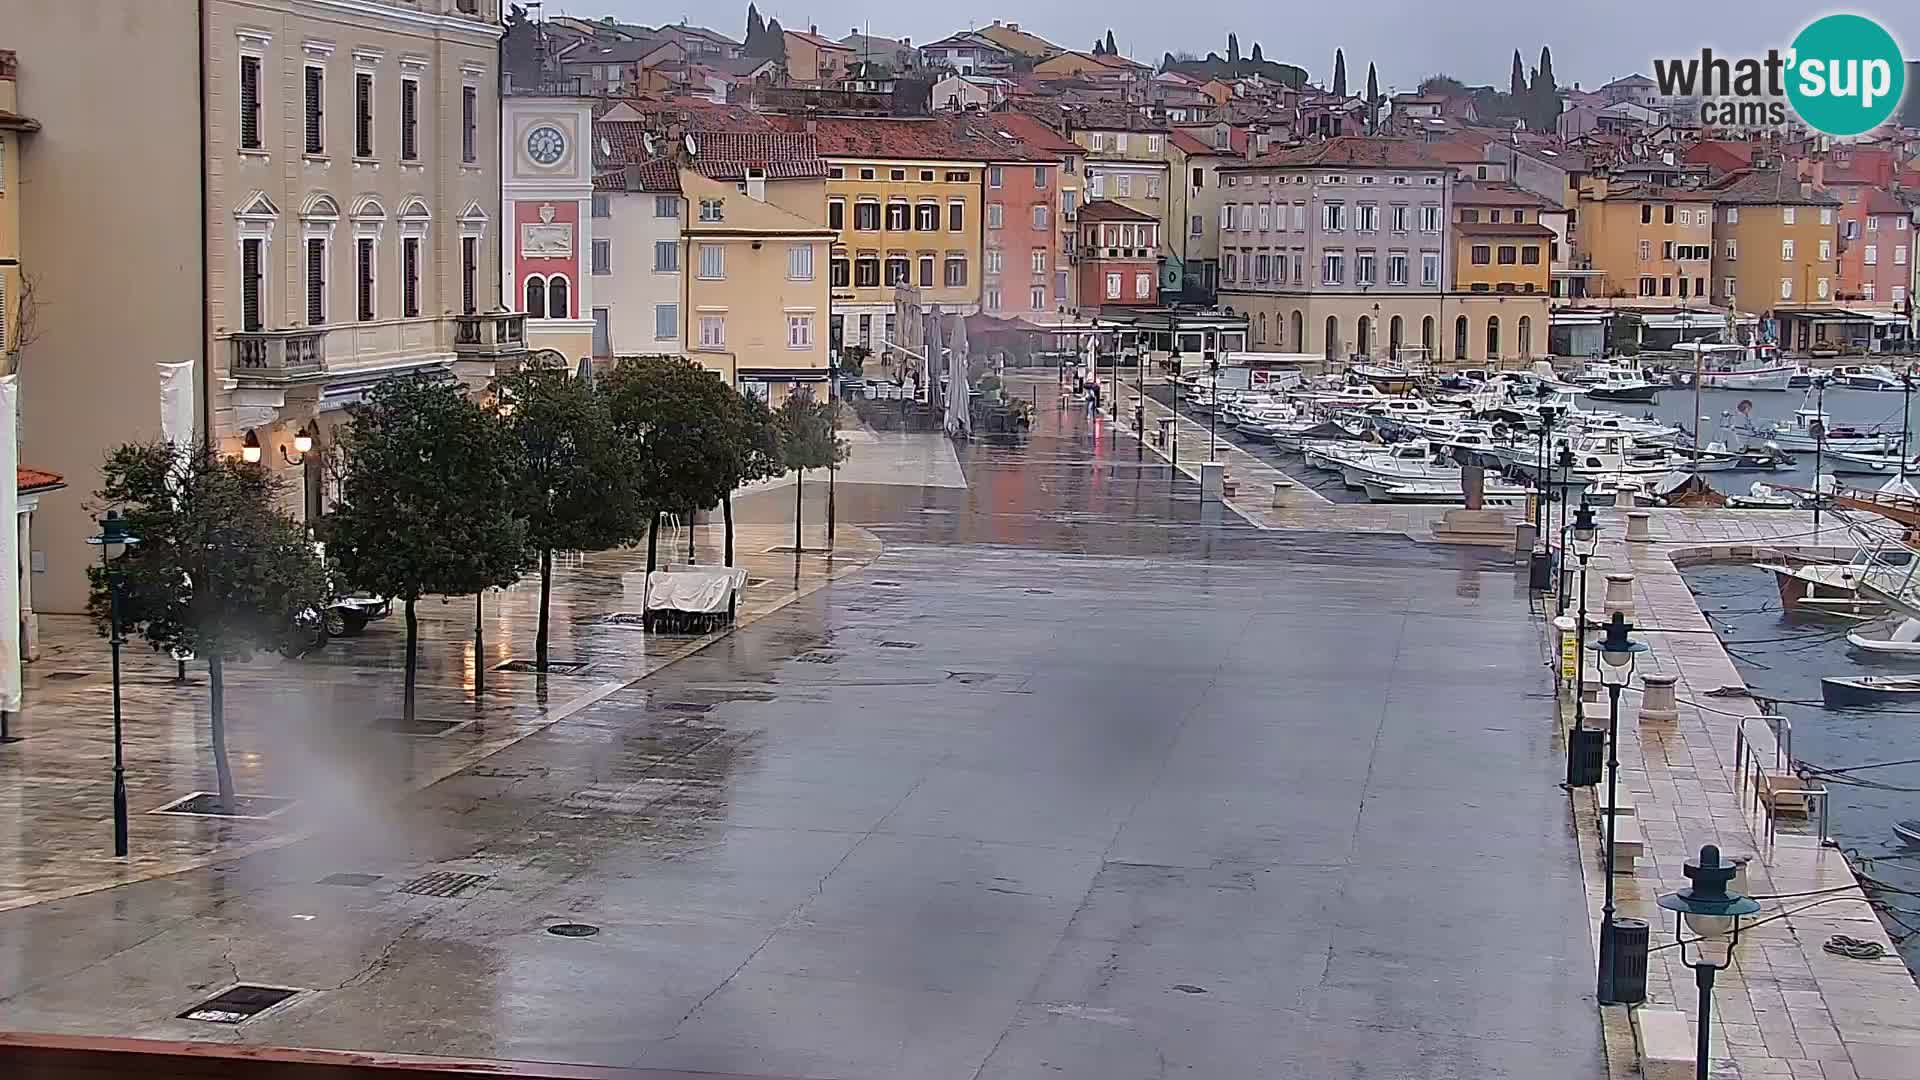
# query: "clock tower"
[[546, 173]]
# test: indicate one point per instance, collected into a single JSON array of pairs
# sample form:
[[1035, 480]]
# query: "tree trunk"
[[413, 646], [653, 550], [546, 594], [479, 645], [830, 471], [726, 511], [217, 721], [692, 516], [799, 484]]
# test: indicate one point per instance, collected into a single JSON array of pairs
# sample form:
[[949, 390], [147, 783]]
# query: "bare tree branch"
[[22, 326]]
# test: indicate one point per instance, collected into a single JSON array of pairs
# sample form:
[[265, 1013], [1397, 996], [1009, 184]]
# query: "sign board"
[[1569, 654], [1259, 379]]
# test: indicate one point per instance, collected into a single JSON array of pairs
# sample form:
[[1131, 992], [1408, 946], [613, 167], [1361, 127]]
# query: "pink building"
[[1019, 251]]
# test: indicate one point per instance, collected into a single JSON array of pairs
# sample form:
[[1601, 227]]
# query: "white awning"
[[1559, 319], [1693, 320]]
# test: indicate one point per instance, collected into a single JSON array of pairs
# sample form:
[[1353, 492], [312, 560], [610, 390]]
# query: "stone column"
[[1657, 702], [1638, 531], [1619, 596]]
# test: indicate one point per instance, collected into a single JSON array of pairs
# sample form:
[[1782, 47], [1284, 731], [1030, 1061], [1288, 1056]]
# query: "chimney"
[[996, 22], [907, 42], [1013, 26], [1253, 142], [757, 185], [813, 118], [812, 29]]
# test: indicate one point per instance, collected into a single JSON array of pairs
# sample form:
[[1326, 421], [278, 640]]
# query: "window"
[[866, 272], [1646, 251], [956, 216], [557, 298], [1899, 224], [866, 216], [1096, 140], [409, 119], [994, 212], [1246, 217], [1871, 254], [410, 277], [713, 262], [1123, 185], [1333, 269], [799, 262], [666, 322], [1482, 255], [713, 331], [837, 172], [1851, 230], [1733, 249], [1899, 294], [1226, 218], [897, 174], [1666, 249], [536, 297], [1260, 268], [469, 124], [363, 279], [1732, 286], [469, 274], [1826, 250], [1530, 255], [666, 206], [992, 299], [1519, 217], [1430, 219], [1037, 298], [713, 210], [799, 331], [1666, 286], [1142, 285], [603, 256], [666, 256], [1120, 142], [1494, 216], [926, 217], [316, 110], [1153, 187], [1363, 267], [960, 177], [1873, 224], [993, 176], [316, 280], [1039, 262], [1299, 217], [1786, 288], [1399, 219], [1646, 214], [1469, 215], [1649, 287], [252, 255], [991, 257], [840, 273], [1369, 217], [898, 213], [1786, 249], [1826, 212], [1197, 226], [1397, 268], [1899, 256], [1820, 287], [1199, 179], [836, 213], [602, 206], [1153, 144], [926, 271], [1113, 286], [250, 103], [1333, 217], [363, 115], [1787, 215], [1683, 288], [956, 271], [1667, 213], [1265, 217], [1866, 291], [1429, 268], [1508, 255]]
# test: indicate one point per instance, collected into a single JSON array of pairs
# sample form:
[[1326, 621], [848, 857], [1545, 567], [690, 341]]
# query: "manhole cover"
[[899, 644], [1039, 592], [625, 620], [884, 584], [818, 657], [351, 880], [525, 665], [688, 706], [207, 804], [573, 929], [400, 725], [1189, 988], [443, 883], [238, 1005], [757, 582], [66, 676]]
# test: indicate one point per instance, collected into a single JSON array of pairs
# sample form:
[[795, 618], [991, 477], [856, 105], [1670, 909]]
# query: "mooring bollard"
[[1619, 595], [1638, 531], [1657, 702]]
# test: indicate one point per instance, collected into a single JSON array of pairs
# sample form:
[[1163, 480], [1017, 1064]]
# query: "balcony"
[[279, 356], [494, 335]]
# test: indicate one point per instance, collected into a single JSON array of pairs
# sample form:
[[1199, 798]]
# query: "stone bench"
[[1622, 797], [1628, 844], [1664, 1042]]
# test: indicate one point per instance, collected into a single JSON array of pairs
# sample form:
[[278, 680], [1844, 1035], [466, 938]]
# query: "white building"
[[639, 231]]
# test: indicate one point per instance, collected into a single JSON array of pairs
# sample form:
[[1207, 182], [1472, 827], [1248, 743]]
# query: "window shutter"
[[250, 285], [410, 277], [364, 261], [469, 117], [250, 102], [363, 115], [316, 282], [316, 110], [469, 269], [409, 119]]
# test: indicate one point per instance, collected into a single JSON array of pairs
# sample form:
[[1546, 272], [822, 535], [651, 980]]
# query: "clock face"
[[545, 144]]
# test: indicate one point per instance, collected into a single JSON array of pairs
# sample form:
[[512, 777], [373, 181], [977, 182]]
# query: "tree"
[[807, 441], [1166, 62], [18, 334], [1545, 96], [1441, 86], [573, 477], [1257, 58], [1517, 81], [1233, 48], [1339, 73], [756, 32], [426, 501], [1111, 50], [774, 47], [219, 570], [1373, 100]]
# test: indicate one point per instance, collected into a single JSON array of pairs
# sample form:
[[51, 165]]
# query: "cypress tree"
[[1339, 73]]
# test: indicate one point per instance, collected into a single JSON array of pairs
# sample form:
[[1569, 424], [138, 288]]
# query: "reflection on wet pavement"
[[1081, 777]]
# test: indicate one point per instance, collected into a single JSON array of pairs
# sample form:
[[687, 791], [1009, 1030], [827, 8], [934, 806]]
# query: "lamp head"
[[1617, 651], [1549, 413], [303, 440], [1709, 907], [113, 532], [1565, 460], [250, 448], [1586, 532]]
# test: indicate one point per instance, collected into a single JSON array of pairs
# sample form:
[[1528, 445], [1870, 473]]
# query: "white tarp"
[[9, 546], [701, 591], [176, 403]]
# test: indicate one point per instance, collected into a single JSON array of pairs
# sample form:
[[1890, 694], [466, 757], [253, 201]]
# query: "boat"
[[1495, 494], [1859, 463], [1903, 642], [1842, 692], [1624, 389], [1762, 497], [1826, 589], [1865, 377], [1801, 378], [1738, 367], [1797, 434], [1387, 379], [1416, 460], [1908, 832]]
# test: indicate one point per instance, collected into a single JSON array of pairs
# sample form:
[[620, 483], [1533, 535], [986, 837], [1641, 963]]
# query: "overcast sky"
[[1473, 40]]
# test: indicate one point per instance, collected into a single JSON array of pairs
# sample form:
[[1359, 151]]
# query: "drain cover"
[[207, 804], [573, 929], [818, 657], [526, 665], [238, 1005], [756, 582], [353, 880], [899, 644], [625, 620], [688, 706], [443, 883], [1039, 592], [63, 676], [884, 584], [425, 728]]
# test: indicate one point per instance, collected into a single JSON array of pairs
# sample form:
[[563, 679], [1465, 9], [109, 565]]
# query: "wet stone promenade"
[[1079, 778]]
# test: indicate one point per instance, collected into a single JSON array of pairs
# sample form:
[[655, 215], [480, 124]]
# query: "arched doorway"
[[1526, 337], [1396, 329], [1460, 338], [1363, 342], [1333, 338], [1426, 338], [1299, 332], [1262, 338], [1493, 337]]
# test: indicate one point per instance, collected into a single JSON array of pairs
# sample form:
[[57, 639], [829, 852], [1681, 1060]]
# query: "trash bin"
[[1586, 747], [1540, 571], [1630, 938], [1524, 536]]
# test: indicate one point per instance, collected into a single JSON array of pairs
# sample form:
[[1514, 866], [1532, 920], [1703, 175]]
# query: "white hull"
[[1868, 464], [1769, 379]]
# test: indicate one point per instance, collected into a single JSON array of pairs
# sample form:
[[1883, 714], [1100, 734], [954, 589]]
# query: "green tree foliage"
[[573, 477], [773, 44], [1339, 73], [426, 501], [1257, 58], [1517, 80], [1373, 100], [1111, 50], [807, 441], [1439, 85], [1543, 96], [756, 32], [1233, 48], [219, 569]]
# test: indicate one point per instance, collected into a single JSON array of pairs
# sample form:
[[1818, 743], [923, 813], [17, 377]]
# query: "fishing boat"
[[1842, 692], [1619, 388], [1387, 379], [1439, 492], [1797, 433], [1801, 378], [1408, 462], [1762, 497], [1859, 463], [1908, 832], [1831, 589], [1866, 377], [1737, 367], [1902, 643]]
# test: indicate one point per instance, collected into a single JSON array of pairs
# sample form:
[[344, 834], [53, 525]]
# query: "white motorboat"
[[1762, 497], [1408, 410], [1866, 463], [1903, 642], [1409, 462], [1494, 494], [1865, 377], [1797, 434], [1259, 422], [1736, 367]]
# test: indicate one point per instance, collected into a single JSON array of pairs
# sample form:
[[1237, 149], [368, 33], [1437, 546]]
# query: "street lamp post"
[[1713, 912], [1818, 429], [1586, 539], [113, 534], [1114, 406], [1566, 486], [1616, 670], [1213, 418], [1173, 429]]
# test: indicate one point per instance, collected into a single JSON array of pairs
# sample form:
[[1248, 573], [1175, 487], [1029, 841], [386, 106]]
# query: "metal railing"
[[1752, 779]]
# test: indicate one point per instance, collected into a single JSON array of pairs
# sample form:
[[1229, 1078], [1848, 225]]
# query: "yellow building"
[[1651, 245], [1775, 242], [1126, 160], [12, 127], [757, 281]]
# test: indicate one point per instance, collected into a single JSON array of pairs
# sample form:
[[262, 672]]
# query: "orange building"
[[1119, 257]]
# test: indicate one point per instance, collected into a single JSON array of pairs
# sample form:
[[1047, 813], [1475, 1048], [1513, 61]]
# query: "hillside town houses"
[[455, 185]]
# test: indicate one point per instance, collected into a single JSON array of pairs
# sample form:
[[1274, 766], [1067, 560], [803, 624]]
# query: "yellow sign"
[[1569, 653]]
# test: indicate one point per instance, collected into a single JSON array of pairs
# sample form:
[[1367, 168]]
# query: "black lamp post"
[[1566, 485], [1173, 429], [1586, 540], [1213, 418], [1548, 414], [1818, 429], [1616, 670], [1714, 913], [113, 534]]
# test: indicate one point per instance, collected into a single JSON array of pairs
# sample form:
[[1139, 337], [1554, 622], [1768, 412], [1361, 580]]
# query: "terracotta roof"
[[1190, 142], [1882, 201], [1481, 193], [1501, 228], [1108, 210], [658, 176], [620, 52], [720, 155], [1458, 153], [15, 122], [695, 114], [26, 479], [817, 41], [1029, 130], [1767, 187], [1352, 152], [1016, 40], [960, 137], [1656, 193]]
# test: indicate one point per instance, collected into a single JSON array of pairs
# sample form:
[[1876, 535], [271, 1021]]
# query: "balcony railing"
[[279, 355], [489, 335]]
